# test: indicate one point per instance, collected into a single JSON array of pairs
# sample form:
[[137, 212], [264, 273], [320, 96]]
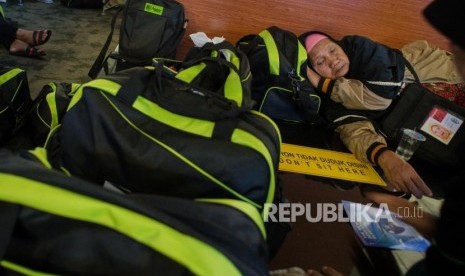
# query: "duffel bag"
[[15, 101], [279, 84], [47, 112], [220, 68], [147, 131], [54, 224]]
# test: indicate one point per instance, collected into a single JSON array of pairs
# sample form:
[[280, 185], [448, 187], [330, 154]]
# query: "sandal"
[[30, 51], [37, 37]]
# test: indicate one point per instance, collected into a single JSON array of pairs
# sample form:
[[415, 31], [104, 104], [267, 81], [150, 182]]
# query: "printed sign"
[[442, 124], [327, 163]]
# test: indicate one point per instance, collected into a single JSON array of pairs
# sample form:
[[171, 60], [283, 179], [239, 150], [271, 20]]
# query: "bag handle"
[[136, 83], [9, 213], [233, 85], [411, 69], [101, 60], [215, 47]]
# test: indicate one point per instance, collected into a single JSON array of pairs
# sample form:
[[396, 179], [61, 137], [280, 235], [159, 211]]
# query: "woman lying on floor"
[[21, 41], [361, 77]]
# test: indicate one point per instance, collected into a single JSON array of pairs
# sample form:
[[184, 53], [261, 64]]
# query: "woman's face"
[[440, 131], [328, 59]]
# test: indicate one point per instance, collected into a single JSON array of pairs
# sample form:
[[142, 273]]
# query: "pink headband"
[[312, 40]]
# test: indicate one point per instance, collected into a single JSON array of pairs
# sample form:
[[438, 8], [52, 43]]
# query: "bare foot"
[[18, 46], [28, 36], [21, 48]]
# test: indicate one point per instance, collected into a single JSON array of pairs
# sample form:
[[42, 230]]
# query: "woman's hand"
[[401, 175]]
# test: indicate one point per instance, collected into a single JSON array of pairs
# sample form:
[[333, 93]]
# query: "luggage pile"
[[145, 170]]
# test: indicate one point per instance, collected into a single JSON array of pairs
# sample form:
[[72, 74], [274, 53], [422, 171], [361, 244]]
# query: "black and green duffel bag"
[[158, 134], [47, 112], [279, 84], [15, 101], [220, 68], [54, 224]]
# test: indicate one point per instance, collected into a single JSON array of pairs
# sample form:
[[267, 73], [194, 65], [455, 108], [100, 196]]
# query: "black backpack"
[[279, 86], [148, 29], [83, 4]]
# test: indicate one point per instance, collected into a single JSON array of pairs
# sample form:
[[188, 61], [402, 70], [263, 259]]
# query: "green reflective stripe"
[[65, 171], [174, 152], [5, 109], [233, 58], [51, 101], [198, 257], [9, 75], [243, 207], [272, 50], [233, 87], [244, 138], [50, 134], [74, 88], [275, 126], [301, 58], [189, 74], [23, 270], [249, 75], [40, 115], [99, 84], [233, 83], [41, 154], [183, 123], [1, 12]]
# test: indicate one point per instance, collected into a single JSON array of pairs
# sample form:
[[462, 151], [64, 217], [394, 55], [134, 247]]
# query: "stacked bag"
[[56, 224], [193, 165], [278, 62]]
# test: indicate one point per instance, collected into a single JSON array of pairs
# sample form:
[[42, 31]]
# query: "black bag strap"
[[224, 129], [247, 43], [8, 213], [100, 60], [167, 49], [411, 69], [134, 85], [214, 47]]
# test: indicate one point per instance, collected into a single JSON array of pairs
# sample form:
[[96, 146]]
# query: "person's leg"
[[7, 32]]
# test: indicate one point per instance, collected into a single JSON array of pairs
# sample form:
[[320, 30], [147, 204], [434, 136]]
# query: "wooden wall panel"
[[392, 22]]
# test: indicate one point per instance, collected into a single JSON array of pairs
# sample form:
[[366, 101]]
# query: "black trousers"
[[8, 30]]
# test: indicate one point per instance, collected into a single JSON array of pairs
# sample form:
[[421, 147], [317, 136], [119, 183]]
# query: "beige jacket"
[[430, 63]]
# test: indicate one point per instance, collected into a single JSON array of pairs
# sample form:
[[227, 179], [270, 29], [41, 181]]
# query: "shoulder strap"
[[100, 60], [134, 85], [411, 69]]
